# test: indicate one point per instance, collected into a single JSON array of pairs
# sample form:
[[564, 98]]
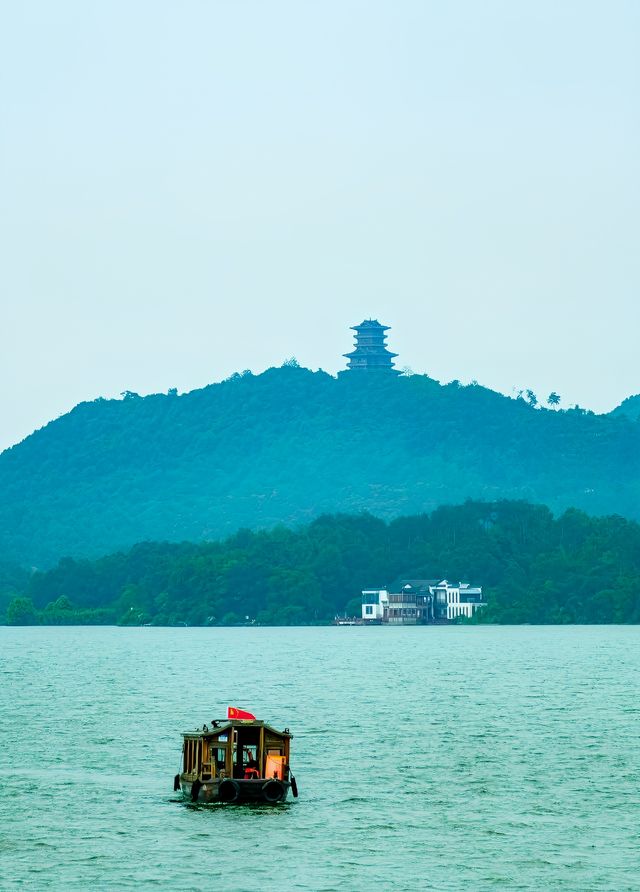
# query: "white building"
[[409, 605], [420, 601], [374, 602], [452, 601]]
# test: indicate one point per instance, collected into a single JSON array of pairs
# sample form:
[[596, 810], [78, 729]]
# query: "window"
[[371, 598], [218, 754], [368, 609]]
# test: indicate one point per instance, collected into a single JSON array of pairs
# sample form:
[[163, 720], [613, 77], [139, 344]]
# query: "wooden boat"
[[236, 760]]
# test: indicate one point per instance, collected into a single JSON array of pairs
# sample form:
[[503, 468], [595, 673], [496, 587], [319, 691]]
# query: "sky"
[[196, 188]]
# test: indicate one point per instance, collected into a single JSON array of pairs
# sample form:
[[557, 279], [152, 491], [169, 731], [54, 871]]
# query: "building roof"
[[225, 725], [370, 323], [416, 584], [370, 350]]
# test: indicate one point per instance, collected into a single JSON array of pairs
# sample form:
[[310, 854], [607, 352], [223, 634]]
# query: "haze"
[[198, 188]]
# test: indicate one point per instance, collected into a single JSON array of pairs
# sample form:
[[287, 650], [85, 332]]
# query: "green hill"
[[629, 407], [290, 444]]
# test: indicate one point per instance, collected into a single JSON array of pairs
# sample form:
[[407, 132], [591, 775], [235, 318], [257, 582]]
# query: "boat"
[[239, 759]]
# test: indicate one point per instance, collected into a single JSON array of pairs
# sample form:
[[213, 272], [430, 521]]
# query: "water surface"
[[427, 758]]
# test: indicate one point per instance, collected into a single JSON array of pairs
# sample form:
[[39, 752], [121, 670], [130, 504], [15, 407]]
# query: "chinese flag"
[[233, 713]]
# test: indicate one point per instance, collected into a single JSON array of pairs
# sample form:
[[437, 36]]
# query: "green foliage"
[[13, 581], [289, 445], [21, 612], [629, 408], [60, 605], [534, 568], [61, 612]]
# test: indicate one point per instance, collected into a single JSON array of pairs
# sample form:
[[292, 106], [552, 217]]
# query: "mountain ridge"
[[290, 444]]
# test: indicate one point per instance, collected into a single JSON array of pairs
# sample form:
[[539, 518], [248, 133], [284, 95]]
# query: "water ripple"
[[432, 758]]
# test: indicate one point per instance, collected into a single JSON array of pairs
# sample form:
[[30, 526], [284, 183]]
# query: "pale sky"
[[194, 188]]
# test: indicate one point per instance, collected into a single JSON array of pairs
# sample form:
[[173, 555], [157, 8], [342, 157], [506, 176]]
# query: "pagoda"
[[371, 353]]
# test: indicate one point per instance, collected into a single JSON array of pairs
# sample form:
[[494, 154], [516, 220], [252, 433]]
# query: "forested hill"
[[290, 444], [534, 568], [629, 407]]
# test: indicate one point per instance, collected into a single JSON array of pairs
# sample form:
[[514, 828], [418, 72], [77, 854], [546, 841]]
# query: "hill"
[[534, 568], [629, 407], [290, 444]]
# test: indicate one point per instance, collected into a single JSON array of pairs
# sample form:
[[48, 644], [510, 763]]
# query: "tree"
[[532, 399], [553, 399], [353, 607], [61, 603], [21, 612]]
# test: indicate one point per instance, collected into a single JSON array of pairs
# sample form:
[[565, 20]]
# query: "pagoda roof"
[[370, 323], [370, 352]]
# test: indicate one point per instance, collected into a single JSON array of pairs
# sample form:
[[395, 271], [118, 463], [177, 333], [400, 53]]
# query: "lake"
[[441, 758]]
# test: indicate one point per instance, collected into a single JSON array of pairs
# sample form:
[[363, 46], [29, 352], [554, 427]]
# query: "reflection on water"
[[443, 758]]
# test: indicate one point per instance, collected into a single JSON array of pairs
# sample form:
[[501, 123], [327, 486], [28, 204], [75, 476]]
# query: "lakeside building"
[[371, 353], [420, 601]]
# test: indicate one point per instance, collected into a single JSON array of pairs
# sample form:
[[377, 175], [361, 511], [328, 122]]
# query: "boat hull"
[[236, 792]]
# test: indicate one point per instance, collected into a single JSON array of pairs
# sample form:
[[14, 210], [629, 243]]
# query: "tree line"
[[534, 567]]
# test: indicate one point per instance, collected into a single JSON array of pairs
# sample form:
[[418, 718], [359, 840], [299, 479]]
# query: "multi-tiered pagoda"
[[371, 353]]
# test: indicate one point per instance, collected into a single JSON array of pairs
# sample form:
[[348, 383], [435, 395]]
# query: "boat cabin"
[[242, 750]]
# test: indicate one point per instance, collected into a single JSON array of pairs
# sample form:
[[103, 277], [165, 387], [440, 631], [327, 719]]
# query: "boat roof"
[[223, 725]]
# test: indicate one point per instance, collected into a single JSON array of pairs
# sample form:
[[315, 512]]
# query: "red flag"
[[233, 713]]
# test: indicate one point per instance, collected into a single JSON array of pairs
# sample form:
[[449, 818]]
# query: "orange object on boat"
[[275, 766]]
